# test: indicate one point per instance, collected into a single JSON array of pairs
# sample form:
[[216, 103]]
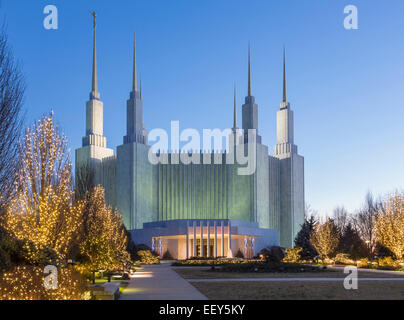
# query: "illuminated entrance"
[[207, 252], [210, 238]]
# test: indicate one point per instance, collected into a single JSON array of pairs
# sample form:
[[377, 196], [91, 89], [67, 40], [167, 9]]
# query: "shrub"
[[272, 254], [239, 254], [363, 263], [329, 261], [147, 257], [167, 255], [343, 258], [293, 255], [271, 267], [387, 262]]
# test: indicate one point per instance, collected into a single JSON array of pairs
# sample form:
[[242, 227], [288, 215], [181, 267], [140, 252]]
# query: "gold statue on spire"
[[95, 18]]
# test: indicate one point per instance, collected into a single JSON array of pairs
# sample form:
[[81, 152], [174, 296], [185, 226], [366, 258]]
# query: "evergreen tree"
[[352, 244], [302, 239]]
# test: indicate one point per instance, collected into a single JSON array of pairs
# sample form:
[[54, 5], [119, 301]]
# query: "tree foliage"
[[302, 239], [390, 225], [293, 255], [352, 244], [325, 238], [104, 236], [41, 212]]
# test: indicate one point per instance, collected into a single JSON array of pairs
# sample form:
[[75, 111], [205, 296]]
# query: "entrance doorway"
[[204, 248]]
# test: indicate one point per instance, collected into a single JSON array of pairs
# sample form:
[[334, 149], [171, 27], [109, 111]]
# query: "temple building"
[[197, 209]]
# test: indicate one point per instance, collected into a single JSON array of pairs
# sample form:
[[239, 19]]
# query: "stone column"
[[194, 253], [187, 240], [208, 239], [201, 239], [245, 247], [215, 226], [229, 253], [222, 225], [161, 247]]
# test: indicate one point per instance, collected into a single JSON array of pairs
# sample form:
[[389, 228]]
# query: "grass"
[[310, 290], [388, 290]]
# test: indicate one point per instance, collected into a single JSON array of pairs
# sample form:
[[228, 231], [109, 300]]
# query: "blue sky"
[[345, 87]]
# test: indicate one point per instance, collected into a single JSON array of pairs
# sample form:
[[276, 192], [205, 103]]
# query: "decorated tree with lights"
[[42, 213], [105, 240], [325, 238], [390, 225]]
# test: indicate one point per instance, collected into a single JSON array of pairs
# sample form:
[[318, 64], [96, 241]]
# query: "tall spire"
[[249, 71], [134, 83], [235, 110], [284, 76], [140, 86], [94, 88]]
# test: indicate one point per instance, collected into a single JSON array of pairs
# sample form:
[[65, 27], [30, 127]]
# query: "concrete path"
[[290, 279], [159, 282]]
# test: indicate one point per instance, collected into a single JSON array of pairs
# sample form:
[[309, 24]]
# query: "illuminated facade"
[[198, 209]]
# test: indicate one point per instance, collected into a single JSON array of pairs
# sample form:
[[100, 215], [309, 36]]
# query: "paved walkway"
[[159, 282]]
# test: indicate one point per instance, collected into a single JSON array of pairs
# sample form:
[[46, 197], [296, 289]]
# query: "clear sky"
[[345, 87]]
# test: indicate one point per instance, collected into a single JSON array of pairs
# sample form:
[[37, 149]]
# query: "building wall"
[[193, 191], [203, 191], [109, 179], [92, 157], [274, 194], [136, 185], [262, 187], [298, 194], [292, 198]]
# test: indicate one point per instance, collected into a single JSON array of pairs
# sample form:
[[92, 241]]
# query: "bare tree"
[[341, 218], [310, 212], [364, 221], [85, 180], [12, 88]]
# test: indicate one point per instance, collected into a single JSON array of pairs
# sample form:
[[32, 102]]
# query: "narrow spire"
[[284, 75], [249, 71], [235, 109], [140, 86], [134, 83], [94, 87]]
